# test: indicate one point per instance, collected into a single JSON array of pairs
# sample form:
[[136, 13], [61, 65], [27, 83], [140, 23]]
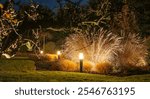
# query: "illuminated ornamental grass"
[[97, 46], [102, 46], [134, 51]]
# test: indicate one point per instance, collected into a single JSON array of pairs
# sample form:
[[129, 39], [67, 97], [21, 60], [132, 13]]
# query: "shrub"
[[51, 57], [87, 66], [134, 51], [103, 68], [130, 70], [67, 65], [17, 65], [48, 62], [55, 66], [97, 45], [42, 65]]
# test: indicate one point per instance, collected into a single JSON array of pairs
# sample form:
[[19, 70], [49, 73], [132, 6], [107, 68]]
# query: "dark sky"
[[49, 3], [52, 3]]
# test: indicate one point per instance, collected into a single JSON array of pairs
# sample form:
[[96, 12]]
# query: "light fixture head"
[[81, 56], [58, 52], [41, 52]]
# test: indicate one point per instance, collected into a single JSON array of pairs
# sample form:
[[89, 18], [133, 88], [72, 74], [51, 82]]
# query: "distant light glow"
[[58, 52], [41, 52], [81, 56]]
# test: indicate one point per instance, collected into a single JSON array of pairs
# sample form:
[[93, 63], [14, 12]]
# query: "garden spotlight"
[[58, 54], [81, 57]]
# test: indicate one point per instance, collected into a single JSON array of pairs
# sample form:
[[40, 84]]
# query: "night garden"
[[75, 40]]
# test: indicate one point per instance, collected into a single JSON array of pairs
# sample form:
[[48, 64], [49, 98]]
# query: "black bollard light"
[[58, 54], [81, 57]]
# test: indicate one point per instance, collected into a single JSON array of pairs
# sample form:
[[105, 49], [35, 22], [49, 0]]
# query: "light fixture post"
[[58, 54], [81, 57]]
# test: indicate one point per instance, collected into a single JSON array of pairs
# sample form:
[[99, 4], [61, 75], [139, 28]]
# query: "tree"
[[69, 14], [98, 13], [124, 18], [13, 27]]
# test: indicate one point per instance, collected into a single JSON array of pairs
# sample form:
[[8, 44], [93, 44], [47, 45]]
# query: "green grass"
[[23, 70], [58, 76], [16, 65]]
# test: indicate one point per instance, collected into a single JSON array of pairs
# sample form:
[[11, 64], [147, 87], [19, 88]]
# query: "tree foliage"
[[14, 27], [25, 24]]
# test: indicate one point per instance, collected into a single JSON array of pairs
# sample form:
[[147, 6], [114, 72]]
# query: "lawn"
[[59, 76], [18, 65], [17, 70]]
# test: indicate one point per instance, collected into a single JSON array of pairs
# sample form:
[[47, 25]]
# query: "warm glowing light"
[[81, 56], [41, 52], [58, 52]]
